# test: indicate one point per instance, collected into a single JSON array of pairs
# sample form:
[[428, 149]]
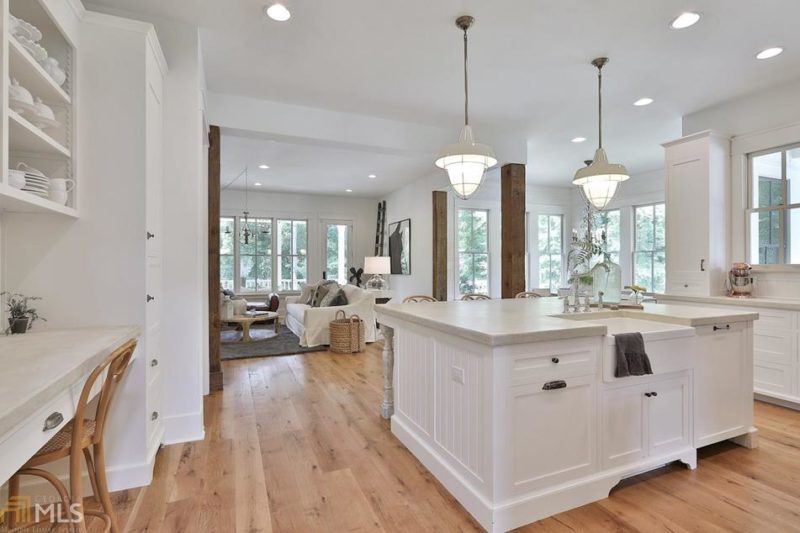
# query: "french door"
[[337, 249]]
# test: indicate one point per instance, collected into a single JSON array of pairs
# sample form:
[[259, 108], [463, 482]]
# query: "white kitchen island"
[[515, 407]]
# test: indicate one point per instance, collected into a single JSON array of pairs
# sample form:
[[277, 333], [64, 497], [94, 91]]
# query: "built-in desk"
[[42, 374]]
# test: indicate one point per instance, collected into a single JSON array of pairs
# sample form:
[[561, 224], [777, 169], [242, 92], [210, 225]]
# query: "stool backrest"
[[475, 296], [419, 298], [528, 295]]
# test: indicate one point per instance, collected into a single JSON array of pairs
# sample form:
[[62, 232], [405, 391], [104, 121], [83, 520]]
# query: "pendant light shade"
[[466, 161], [600, 179]]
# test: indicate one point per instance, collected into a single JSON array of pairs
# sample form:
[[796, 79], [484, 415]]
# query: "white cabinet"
[[696, 213], [722, 371], [557, 419], [643, 420]]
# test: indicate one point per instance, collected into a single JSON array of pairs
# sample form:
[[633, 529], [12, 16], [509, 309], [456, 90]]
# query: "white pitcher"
[[61, 184]]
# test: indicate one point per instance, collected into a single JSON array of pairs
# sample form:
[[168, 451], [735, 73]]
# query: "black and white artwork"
[[400, 246]]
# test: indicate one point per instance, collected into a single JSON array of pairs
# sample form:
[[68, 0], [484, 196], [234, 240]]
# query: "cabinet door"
[[667, 415], [554, 433], [723, 382], [623, 426], [687, 193], [154, 160]]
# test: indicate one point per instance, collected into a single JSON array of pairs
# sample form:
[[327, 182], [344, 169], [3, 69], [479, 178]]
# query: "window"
[[550, 251], [255, 255], [252, 266], [227, 229], [648, 247], [774, 207], [608, 222], [292, 247], [473, 251], [337, 250]]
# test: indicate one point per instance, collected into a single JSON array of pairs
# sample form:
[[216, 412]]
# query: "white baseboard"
[[184, 428]]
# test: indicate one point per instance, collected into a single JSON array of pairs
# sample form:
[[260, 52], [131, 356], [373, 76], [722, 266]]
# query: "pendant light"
[[246, 232], [466, 161], [600, 179]]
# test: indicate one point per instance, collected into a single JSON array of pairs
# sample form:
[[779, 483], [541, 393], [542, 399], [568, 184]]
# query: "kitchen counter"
[[38, 367], [767, 303], [520, 321]]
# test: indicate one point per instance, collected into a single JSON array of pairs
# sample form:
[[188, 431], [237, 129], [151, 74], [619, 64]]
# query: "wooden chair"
[[74, 441], [475, 296], [528, 294], [418, 299]]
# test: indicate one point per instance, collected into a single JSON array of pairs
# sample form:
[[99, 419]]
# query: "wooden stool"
[[528, 295], [74, 441], [475, 296], [418, 299]]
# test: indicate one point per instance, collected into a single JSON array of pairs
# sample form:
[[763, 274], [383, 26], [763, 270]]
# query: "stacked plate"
[[36, 183]]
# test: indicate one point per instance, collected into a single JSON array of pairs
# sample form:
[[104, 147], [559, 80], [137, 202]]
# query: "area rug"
[[265, 343]]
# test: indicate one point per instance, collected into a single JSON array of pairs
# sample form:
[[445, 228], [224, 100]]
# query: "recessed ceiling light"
[[684, 20], [278, 12], [578, 139], [643, 101], [257, 184], [348, 190], [372, 176], [262, 166], [769, 53]]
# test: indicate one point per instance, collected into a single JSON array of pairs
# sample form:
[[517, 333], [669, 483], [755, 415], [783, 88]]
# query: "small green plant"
[[18, 306]]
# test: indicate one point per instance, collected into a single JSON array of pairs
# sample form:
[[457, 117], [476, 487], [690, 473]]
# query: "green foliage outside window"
[[473, 251]]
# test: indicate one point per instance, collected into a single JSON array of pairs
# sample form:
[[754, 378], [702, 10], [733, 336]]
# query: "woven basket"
[[347, 334]]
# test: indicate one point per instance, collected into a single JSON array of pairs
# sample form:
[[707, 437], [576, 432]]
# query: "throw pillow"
[[306, 294], [334, 298], [322, 290]]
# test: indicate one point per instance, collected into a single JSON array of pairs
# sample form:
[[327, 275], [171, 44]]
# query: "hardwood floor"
[[295, 443]]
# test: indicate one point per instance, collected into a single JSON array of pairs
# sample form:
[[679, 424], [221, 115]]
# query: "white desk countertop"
[[38, 366]]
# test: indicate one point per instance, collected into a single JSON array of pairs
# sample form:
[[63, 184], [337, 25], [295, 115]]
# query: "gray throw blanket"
[[632, 360]]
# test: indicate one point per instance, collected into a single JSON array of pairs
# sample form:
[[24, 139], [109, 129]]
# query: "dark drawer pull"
[[649, 394], [154, 362], [150, 235], [553, 385], [555, 360], [726, 326], [154, 416], [53, 421], [150, 298]]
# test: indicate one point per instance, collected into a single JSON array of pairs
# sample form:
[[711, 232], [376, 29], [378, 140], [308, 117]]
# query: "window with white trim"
[[773, 214], [607, 222], [551, 251], [473, 251], [292, 249], [649, 252]]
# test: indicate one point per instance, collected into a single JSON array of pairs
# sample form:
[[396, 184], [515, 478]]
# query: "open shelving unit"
[[50, 151]]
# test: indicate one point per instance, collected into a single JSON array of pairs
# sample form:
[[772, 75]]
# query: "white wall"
[[755, 122], [314, 208]]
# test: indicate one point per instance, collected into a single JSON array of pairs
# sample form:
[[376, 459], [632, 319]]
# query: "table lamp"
[[377, 266]]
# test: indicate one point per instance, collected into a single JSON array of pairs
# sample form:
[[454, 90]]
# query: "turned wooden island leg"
[[387, 406]]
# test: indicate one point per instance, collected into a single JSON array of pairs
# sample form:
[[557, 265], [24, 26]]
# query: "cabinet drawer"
[[773, 319], [773, 378], [688, 283], [773, 345], [553, 433], [556, 364]]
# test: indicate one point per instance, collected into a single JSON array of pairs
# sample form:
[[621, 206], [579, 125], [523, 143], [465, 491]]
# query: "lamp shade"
[[600, 179], [377, 265], [465, 163]]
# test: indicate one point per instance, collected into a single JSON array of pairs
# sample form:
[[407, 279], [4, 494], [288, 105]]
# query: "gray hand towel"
[[632, 360]]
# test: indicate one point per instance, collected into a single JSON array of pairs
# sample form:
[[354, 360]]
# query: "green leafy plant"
[[18, 306]]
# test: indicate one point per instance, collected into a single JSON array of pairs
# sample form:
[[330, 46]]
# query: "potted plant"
[[21, 315]]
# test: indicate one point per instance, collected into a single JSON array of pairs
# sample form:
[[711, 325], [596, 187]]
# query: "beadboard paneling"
[[415, 378]]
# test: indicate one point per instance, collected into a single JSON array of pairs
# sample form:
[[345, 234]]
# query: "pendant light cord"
[[600, 105], [466, 83]]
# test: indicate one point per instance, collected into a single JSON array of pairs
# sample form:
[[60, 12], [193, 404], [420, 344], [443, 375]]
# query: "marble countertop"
[[37, 367], [769, 303], [520, 321]]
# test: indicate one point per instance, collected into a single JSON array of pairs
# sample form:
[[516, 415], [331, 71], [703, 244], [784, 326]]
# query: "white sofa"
[[310, 324]]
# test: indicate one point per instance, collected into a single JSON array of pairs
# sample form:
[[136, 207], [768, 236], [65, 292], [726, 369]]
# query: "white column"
[[387, 406]]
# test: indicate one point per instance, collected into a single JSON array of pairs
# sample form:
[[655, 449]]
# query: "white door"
[[687, 236], [554, 432], [623, 426], [668, 415], [337, 249]]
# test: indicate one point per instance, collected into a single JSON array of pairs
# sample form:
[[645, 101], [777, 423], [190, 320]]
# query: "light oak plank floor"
[[295, 443]]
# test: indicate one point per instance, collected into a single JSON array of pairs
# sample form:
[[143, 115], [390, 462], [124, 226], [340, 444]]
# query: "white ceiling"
[[311, 168], [529, 67]]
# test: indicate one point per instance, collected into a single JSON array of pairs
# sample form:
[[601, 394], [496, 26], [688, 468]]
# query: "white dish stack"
[[35, 181]]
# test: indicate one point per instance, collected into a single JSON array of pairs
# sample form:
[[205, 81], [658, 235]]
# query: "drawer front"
[[688, 283], [773, 319], [774, 378], [556, 364], [774, 345]]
